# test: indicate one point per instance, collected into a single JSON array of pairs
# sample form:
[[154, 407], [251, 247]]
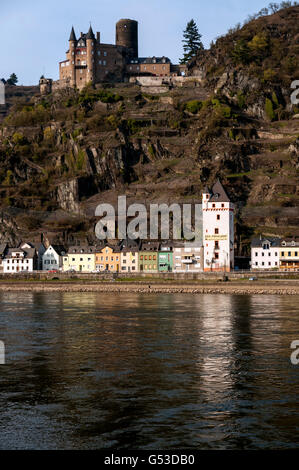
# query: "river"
[[145, 371]]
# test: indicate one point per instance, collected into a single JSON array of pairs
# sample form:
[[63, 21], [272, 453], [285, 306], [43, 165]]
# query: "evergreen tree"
[[191, 42], [13, 79]]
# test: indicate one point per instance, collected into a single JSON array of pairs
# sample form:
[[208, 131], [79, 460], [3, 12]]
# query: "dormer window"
[[284, 244], [266, 246]]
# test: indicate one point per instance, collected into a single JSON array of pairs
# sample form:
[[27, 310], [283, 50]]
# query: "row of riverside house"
[[129, 256], [214, 254]]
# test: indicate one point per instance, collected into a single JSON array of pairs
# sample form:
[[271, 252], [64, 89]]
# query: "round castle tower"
[[127, 35]]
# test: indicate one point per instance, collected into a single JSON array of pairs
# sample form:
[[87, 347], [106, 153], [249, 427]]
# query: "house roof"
[[218, 193], [60, 249], [259, 241], [150, 246], [289, 241], [115, 248], [28, 252], [84, 250], [128, 245]]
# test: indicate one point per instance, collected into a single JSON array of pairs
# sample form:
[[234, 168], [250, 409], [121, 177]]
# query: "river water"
[[133, 371]]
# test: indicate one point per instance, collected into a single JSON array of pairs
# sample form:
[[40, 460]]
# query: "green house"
[[165, 258], [148, 257]]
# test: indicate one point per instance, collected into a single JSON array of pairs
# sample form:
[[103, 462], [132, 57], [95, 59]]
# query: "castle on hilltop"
[[88, 60]]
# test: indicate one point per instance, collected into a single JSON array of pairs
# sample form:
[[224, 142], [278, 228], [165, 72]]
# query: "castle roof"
[[90, 34], [218, 193], [73, 35]]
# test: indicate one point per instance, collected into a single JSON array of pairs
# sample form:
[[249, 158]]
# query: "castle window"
[[99, 52], [104, 62], [100, 62], [105, 54]]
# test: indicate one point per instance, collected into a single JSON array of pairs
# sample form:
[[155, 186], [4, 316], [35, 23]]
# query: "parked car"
[[53, 271], [253, 278]]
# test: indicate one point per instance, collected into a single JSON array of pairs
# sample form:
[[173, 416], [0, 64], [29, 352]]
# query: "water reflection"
[[148, 371]]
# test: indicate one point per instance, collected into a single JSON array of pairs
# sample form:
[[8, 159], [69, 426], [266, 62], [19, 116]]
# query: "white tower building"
[[218, 229]]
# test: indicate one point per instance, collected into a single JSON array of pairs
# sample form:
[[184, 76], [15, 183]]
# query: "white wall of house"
[[129, 262], [51, 259], [14, 264], [265, 257], [188, 259]]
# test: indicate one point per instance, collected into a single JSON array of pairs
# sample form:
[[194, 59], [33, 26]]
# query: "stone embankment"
[[240, 288]]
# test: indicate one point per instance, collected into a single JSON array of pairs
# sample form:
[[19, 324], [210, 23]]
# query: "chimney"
[[98, 36]]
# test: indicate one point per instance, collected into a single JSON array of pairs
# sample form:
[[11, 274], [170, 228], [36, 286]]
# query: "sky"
[[35, 33]]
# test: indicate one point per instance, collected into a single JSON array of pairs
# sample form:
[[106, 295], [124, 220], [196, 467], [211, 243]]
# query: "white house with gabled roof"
[[265, 253], [53, 258]]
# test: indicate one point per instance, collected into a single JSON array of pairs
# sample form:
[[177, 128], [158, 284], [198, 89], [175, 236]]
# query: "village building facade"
[[52, 259], [19, 260], [289, 254], [165, 257], [188, 257], [80, 259], [129, 256], [265, 253], [148, 257], [108, 259]]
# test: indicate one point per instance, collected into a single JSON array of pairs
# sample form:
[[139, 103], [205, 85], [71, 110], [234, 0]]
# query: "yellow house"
[[129, 256], [108, 258], [289, 254], [80, 259]]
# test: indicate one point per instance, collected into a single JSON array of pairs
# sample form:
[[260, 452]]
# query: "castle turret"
[[73, 44], [90, 49], [127, 35]]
